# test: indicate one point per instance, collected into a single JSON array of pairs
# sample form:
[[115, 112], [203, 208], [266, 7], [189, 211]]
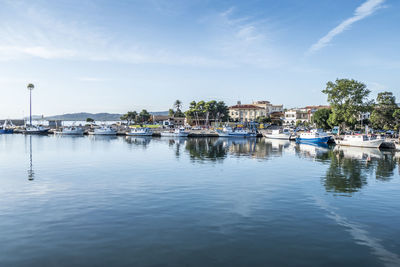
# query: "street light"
[[30, 88]]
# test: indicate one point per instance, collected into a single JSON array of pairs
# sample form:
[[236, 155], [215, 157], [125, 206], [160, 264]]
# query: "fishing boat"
[[140, 132], [179, 132], [360, 140], [6, 129], [104, 130], [36, 130], [227, 131], [283, 134], [73, 130], [314, 136]]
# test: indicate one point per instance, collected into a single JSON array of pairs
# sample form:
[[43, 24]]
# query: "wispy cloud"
[[363, 11]]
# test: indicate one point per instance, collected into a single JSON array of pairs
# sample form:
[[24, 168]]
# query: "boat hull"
[[6, 131], [139, 134], [165, 134], [315, 140], [46, 131], [370, 143], [277, 136]]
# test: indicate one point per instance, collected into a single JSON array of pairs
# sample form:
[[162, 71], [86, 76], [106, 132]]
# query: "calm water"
[[90, 201]]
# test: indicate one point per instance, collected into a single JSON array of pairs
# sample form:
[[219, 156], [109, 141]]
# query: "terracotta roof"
[[317, 107], [245, 107]]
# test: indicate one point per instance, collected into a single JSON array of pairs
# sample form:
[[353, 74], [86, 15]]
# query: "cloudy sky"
[[119, 55]]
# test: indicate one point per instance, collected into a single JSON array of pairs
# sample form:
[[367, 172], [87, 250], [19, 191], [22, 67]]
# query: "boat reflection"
[[317, 151], [142, 141]]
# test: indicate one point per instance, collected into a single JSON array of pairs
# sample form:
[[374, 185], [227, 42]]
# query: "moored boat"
[[140, 132], [36, 130], [314, 136], [360, 140], [179, 132], [227, 131], [104, 130], [73, 130], [283, 134], [6, 129]]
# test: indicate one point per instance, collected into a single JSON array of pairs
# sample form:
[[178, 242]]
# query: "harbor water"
[[140, 201]]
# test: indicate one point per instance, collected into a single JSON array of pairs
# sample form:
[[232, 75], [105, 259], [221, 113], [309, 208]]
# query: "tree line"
[[349, 101], [201, 112]]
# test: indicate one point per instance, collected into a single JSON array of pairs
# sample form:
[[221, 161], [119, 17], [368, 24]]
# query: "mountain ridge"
[[103, 116]]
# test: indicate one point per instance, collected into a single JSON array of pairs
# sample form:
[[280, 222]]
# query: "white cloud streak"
[[363, 11]]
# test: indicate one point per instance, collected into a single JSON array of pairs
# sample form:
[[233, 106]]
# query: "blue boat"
[[314, 136], [5, 129]]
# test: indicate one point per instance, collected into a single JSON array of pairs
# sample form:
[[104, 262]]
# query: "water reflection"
[[31, 173], [350, 167], [206, 149], [142, 141]]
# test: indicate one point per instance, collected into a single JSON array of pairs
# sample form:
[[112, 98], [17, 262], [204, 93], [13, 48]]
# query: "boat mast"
[[30, 88]]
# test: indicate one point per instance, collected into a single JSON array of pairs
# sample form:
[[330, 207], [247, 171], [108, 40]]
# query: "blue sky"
[[115, 56]]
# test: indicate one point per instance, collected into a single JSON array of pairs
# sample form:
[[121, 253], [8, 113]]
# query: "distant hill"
[[82, 116]]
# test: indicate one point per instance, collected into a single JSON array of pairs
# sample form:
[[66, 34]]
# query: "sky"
[[121, 55]]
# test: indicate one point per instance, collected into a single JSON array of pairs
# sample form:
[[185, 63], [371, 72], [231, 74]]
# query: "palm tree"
[[30, 88], [178, 105]]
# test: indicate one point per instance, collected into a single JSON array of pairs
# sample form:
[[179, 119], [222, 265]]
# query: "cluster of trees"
[[208, 111], [349, 99], [133, 116], [177, 112]]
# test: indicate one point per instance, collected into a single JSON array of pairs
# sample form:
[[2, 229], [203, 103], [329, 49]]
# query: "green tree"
[[89, 120], [143, 116], [171, 112], [348, 99], [178, 105], [382, 114], [396, 118], [129, 117], [321, 117], [263, 119]]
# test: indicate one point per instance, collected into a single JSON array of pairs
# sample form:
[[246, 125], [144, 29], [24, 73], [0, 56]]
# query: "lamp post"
[[30, 88]]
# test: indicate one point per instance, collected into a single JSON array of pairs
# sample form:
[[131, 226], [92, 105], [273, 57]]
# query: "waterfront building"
[[169, 121], [292, 116], [246, 113], [250, 112], [269, 108]]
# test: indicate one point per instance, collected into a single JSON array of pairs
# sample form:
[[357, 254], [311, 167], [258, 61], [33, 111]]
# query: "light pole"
[[30, 88]]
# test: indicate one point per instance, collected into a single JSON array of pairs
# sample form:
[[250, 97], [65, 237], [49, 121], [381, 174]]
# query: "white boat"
[[36, 130], [283, 134], [360, 140], [140, 132], [227, 131], [104, 130], [73, 130], [179, 132]]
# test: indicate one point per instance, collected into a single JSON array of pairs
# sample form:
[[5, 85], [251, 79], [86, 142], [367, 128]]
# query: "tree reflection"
[[350, 167], [385, 167], [344, 175], [206, 149]]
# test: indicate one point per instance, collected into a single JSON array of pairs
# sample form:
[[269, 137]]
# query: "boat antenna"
[[30, 88]]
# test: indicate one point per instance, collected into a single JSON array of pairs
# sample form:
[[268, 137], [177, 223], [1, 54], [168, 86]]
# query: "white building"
[[292, 116]]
